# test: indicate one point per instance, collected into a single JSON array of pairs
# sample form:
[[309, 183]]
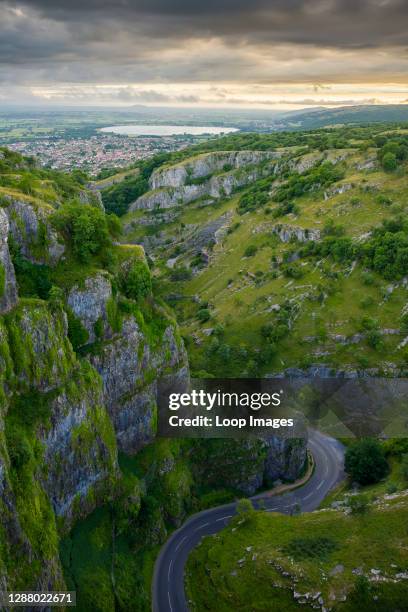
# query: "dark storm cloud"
[[338, 23], [50, 42]]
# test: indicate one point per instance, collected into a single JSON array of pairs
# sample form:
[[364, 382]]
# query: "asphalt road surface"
[[168, 581]]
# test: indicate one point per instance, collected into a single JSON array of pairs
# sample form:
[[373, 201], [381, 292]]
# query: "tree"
[[85, 227], [250, 250], [389, 162], [137, 283], [358, 504], [365, 461], [203, 315], [244, 507]]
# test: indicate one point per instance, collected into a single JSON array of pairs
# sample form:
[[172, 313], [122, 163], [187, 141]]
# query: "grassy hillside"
[[305, 265], [352, 114], [321, 560]]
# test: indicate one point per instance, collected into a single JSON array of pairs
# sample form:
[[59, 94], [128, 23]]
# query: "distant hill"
[[315, 118]]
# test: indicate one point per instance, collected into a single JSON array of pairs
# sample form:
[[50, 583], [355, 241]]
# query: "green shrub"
[[181, 273], [33, 280], [85, 227], [319, 177], [358, 504], [98, 328], [387, 250], [245, 507], [250, 250], [293, 271], [316, 547], [286, 208], [203, 315], [365, 462], [331, 228], [19, 448], [389, 162], [77, 333], [137, 282], [117, 198], [375, 340]]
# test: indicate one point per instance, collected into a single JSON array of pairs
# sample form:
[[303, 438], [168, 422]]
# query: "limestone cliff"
[[214, 175], [78, 377]]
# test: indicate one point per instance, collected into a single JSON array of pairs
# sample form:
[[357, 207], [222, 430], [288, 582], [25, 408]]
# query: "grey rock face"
[[337, 190], [8, 286], [78, 454], [203, 165], [127, 364], [89, 304], [288, 232], [171, 187], [285, 458], [32, 232], [48, 351], [133, 419], [212, 231], [92, 198], [305, 162]]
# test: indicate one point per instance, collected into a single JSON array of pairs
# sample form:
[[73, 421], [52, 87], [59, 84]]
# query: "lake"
[[165, 130]]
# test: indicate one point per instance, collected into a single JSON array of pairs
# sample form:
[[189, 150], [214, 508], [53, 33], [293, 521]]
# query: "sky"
[[268, 54]]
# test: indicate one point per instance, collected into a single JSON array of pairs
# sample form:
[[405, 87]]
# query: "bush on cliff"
[[86, 228], [137, 282]]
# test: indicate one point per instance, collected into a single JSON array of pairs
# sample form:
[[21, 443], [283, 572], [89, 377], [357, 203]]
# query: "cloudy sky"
[[224, 53]]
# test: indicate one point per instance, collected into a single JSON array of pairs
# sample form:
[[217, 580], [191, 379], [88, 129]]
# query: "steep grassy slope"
[[320, 560], [287, 271]]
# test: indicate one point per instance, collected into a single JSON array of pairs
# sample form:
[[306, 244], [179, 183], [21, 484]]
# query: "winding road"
[[168, 581]]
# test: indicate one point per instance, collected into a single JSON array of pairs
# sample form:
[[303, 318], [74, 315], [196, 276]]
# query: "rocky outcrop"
[[32, 232], [130, 365], [213, 174], [92, 197], [211, 232], [55, 438], [286, 233], [337, 190], [80, 449], [245, 465], [8, 285], [285, 458], [202, 166], [90, 304], [130, 370], [305, 162]]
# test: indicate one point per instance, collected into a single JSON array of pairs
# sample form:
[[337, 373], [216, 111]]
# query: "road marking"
[[168, 595], [310, 495], [319, 486], [180, 543], [223, 518], [168, 573], [201, 526], [271, 509]]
